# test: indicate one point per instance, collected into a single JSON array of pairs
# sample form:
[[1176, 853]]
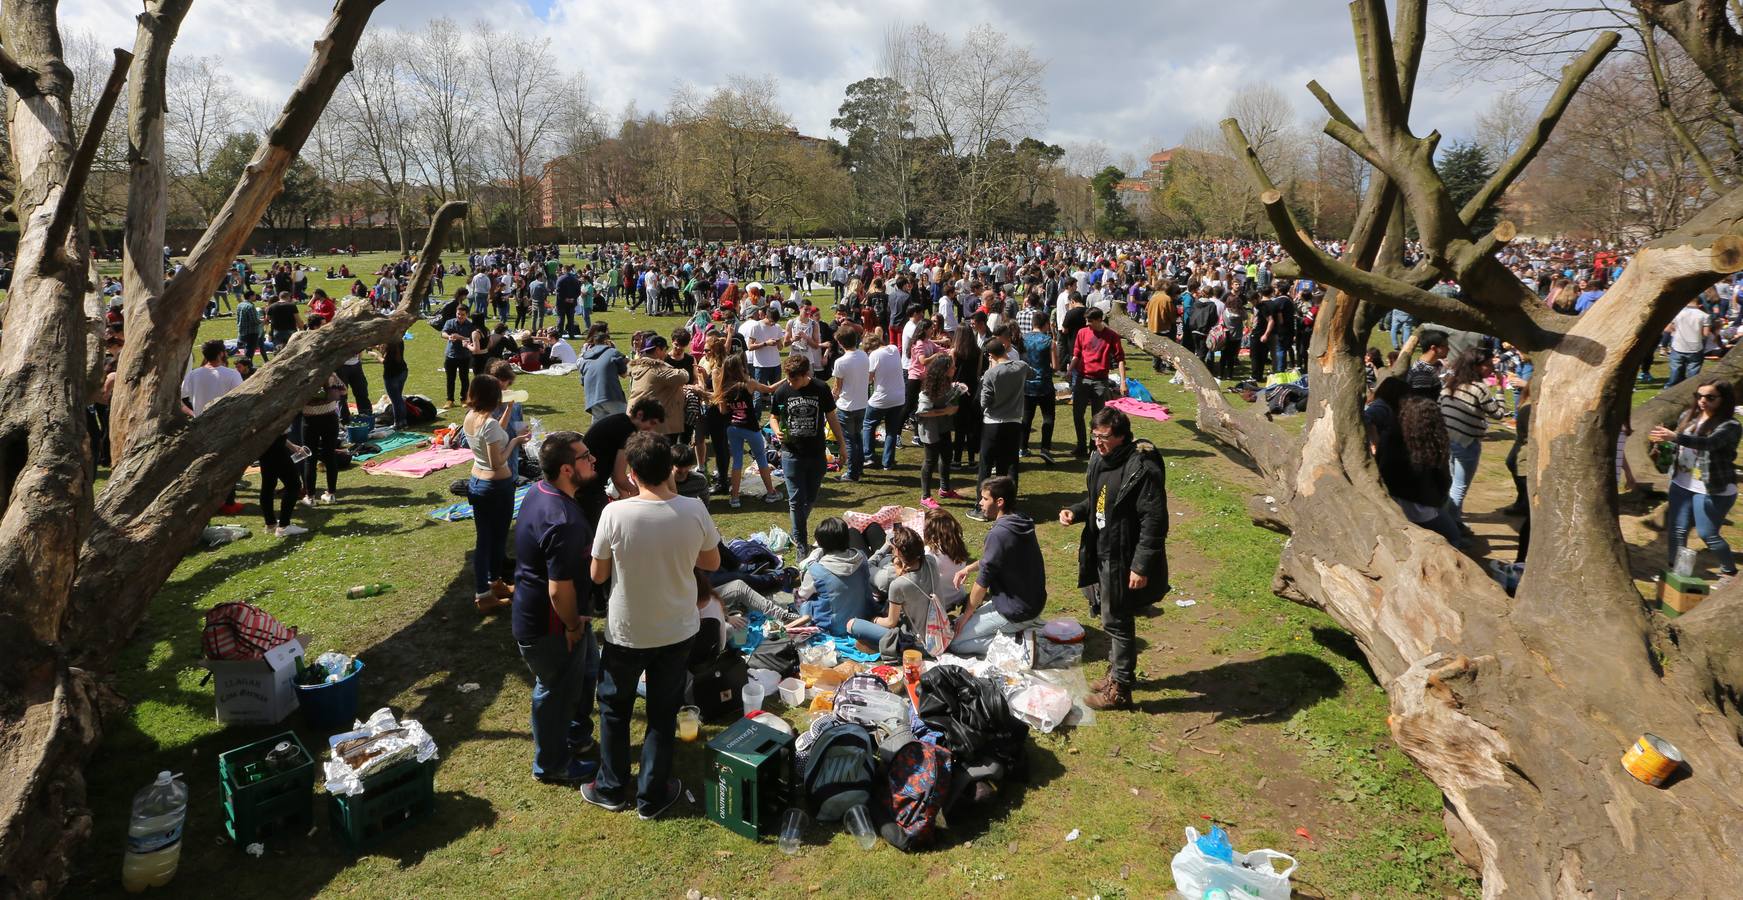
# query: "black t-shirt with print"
[[801, 412]]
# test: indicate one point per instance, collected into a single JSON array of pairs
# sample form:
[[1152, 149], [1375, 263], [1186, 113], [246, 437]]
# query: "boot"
[[1101, 684], [502, 589], [1114, 696]]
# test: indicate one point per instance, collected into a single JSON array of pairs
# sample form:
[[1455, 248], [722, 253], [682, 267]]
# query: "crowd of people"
[[949, 351]]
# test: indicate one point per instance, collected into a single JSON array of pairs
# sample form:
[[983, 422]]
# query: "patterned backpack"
[[919, 782]]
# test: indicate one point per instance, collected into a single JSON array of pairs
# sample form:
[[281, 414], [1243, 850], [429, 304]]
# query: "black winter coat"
[[1135, 537]]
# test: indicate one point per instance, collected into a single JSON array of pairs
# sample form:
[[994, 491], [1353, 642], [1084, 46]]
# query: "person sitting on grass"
[[837, 584], [909, 579]]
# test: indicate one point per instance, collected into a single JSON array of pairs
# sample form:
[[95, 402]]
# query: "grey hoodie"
[[840, 564], [1001, 391]]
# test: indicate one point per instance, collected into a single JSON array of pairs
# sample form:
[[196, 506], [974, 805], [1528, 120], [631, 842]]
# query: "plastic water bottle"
[[537, 429], [368, 590], [154, 835]]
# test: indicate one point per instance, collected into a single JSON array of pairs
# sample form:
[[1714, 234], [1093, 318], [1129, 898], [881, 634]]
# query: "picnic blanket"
[[558, 369], [1139, 408], [460, 512], [419, 464], [390, 443], [887, 516]]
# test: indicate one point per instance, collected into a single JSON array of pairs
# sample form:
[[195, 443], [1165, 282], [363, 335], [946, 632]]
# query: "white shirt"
[[951, 314], [652, 545], [1685, 330], [807, 336], [480, 291], [563, 353], [889, 389], [203, 384], [853, 380], [1060, 306], [757, 330], [908, 332]]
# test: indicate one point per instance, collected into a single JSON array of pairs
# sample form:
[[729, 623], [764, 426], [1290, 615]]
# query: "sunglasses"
[[1702, 396]]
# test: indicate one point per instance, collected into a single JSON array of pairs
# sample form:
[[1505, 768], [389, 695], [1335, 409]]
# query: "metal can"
[[1652, 759]]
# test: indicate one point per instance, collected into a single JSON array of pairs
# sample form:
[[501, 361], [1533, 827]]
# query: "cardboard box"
[[1673, 602], [258, 691]]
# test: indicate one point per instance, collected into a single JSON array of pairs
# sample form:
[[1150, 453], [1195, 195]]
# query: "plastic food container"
[[792, 691]]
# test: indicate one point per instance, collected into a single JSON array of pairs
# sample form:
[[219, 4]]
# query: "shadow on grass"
[[421, 666], [1267, 689], [1344, 644]]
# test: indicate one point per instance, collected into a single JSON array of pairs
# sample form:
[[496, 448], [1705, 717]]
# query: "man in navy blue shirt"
[[553, 550]]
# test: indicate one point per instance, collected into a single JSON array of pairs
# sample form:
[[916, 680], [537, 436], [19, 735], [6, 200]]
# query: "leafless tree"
[[203, 109], [445, 92], [376, 113], [525, 105]]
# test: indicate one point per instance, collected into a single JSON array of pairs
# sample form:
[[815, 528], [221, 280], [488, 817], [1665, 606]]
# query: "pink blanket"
[[1140, 408], [886, 516], [419, 464]]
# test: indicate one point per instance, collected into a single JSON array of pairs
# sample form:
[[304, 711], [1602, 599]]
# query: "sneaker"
[[291, 531], [734, 503], [578, 773], [230, 509], [328, 497], [928, 502], [674, 790], [305, 500], [773, 497], [449, 404], [591, 794], [845, 477], [975, 515], [950, 495]]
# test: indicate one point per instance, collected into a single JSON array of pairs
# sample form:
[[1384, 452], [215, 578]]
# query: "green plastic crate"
[[1688, 584], [258, 803], [392, 801]]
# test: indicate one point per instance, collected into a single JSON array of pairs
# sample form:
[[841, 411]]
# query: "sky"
[[1134, 76]]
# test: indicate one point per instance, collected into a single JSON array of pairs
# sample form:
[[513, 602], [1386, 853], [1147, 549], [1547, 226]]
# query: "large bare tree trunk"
[[77, 573], [1517, 708]]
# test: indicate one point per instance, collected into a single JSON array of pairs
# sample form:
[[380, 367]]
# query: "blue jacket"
[[601, 368]]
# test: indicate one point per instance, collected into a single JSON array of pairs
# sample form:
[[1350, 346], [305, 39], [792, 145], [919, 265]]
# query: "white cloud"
[[1125, 73]]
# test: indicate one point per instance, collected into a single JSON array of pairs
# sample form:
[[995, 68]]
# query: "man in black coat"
[[1122, 558]]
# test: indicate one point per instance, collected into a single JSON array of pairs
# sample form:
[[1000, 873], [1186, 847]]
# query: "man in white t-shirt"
[[889, 397], [653, 542], [852, 396], [1688, 341], [212, 379], [762, 346]]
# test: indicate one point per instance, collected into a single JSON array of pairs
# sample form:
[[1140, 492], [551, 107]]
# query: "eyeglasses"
[[1707, 396], [584, 456], [1102, 435]]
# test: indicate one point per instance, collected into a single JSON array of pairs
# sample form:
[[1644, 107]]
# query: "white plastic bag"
[[1007, 653], [1042, 705], [1252, 874]]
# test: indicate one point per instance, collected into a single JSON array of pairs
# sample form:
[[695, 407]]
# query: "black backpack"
[[839, 769], [1203, 317]]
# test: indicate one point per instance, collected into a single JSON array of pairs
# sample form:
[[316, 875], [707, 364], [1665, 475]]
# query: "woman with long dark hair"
[[1415, 466], [490, 489], [1703, 482], [734, 395], [965, 355], [937, 406], [1468, 407]]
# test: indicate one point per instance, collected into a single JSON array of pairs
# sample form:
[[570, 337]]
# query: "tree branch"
[[72, 193], [23, 80], [1667, 112], [150, 370], [1572, 77]]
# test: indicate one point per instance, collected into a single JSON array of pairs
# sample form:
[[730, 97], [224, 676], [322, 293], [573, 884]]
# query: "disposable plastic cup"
[[859, 825], [792, 831], [689, 723], [792, 691], [753, 697]]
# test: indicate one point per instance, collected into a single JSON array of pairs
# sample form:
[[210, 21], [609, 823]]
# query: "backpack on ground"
[[242, 631], [917, 784], [837, 767], [419, 409]]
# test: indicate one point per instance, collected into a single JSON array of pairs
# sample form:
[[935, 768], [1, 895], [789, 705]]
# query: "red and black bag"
[[242, 631]]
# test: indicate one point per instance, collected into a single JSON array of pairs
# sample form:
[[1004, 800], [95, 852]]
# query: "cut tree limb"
[[149, 372]]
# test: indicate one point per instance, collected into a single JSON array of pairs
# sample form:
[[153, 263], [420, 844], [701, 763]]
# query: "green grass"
[[1256, 713]]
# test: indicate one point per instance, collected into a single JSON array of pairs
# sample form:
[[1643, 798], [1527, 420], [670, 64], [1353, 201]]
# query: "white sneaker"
[[305, 500], [291, 531], [328, 497]]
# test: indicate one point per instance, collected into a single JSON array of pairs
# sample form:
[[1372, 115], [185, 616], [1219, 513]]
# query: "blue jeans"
[[804, 475], [1279, 354], [492, 511], [870, 632], [975, 634], [563, 685], [852, 424], [1402, 326], [739, 438], [396, 396], [1683, 366], [1706, 513], [892, 422], [1464, 468], [766, 375], [621, 668]]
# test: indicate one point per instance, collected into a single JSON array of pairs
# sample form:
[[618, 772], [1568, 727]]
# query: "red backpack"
[[919, 782], [242, 631]]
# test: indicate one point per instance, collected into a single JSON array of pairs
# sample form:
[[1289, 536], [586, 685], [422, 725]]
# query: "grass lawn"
[[1255, 712]]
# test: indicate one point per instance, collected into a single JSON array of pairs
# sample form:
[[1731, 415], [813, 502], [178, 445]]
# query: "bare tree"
[[106, 194], [202, 110], [1504, 124], [376, 115], [973, 93], [1516, 707], [526, 106], [445, 84], [741, 152]]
